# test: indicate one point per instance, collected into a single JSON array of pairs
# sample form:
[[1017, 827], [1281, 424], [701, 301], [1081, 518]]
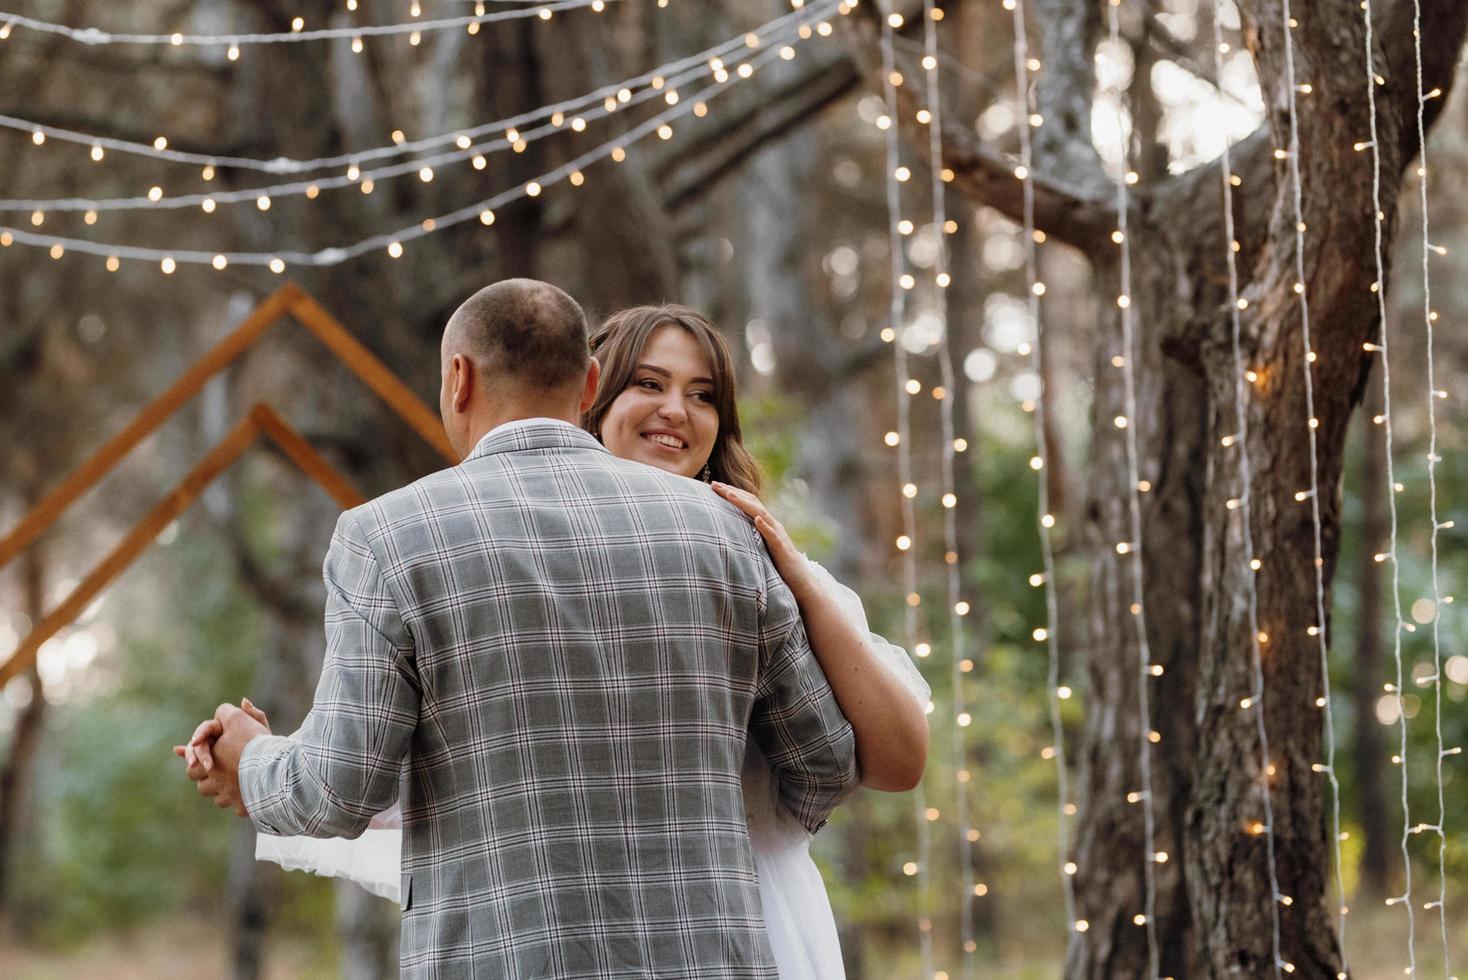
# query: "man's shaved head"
[[522, 332]]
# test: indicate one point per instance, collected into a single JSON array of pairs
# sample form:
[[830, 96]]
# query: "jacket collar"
[[528, 434]]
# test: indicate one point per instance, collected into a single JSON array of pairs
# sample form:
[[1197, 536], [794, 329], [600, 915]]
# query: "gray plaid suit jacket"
[[555, 657]]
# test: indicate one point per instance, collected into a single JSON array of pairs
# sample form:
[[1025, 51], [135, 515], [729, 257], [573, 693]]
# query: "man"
[[552, 657]]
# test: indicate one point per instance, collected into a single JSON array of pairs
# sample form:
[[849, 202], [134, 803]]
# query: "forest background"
[[770, 213]]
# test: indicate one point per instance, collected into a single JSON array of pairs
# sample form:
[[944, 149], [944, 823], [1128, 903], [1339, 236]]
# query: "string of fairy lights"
[[931, 115], [1317, 629], [901, 439], [765, 45], [1383, 348], [1429, 317], [611, 97], [1049, 634], [1243, 506], [507, 136], [1130, 550], [298, 34]]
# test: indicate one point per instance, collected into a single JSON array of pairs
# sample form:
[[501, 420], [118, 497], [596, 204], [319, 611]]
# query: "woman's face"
[[665, 417]]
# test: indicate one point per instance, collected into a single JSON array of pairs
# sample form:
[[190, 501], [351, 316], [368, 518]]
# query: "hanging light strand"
[[1384, 349], [1432, 461], [770, 32], [355, 176], [1307, 366], [95, 37], [907, 543], [1075, 929], [1256, 699], [968, 942], [1131, 551], [335, 256]]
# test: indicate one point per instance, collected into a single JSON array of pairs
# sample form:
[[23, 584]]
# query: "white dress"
[[798, 917]]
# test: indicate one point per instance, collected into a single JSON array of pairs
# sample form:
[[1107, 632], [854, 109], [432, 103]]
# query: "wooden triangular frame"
[[290, 301]]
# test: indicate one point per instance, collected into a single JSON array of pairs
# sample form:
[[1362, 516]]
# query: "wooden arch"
[[289, 301]]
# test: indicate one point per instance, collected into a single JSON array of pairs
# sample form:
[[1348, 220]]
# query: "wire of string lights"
[[608, 95], [1049, 634], [1243, 506], [931, 115], [1383, 348], [393, 242], [1433, 394], [1131, 550], [1318, 628], [1146, 669], [425, 167], [901, 439], [298, 33]]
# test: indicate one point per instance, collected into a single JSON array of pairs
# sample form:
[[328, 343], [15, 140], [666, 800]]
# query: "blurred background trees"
[[770, 214]]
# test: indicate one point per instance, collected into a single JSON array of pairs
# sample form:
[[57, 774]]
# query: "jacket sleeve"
[[796, 721], [341, 767]]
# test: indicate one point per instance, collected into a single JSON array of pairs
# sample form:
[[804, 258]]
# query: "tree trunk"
[[1111, 850], [807, 358], [1290, 526], [244, 894], [15, 777], [1218, 918]]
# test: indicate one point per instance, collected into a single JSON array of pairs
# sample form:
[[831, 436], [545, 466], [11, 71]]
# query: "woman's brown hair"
[[619, 344]]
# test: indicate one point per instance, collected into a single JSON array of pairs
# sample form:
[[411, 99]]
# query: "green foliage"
[[122, 836]]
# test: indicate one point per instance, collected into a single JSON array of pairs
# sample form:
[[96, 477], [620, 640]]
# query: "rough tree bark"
[[1214, 901]]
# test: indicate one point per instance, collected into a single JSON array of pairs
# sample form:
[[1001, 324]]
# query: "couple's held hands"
[[789, 562], [212, 754]]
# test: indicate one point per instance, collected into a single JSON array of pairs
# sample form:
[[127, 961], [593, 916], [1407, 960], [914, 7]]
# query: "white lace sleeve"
[[890, 654]]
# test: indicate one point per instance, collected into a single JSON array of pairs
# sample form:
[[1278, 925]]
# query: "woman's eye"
[[704, 396], [649, 384]]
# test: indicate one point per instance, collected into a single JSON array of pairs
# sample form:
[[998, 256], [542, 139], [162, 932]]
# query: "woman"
[[667, 399]]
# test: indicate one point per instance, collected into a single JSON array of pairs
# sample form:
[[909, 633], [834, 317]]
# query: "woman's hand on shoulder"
[[789, 562]]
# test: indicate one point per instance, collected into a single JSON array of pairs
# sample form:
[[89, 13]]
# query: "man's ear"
[[462, 381], [588, 391]]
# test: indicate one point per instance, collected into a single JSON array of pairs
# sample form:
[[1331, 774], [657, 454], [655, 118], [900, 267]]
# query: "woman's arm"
[[891, 726]]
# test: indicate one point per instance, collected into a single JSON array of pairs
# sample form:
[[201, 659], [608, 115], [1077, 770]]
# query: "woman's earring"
[[706, 476]]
